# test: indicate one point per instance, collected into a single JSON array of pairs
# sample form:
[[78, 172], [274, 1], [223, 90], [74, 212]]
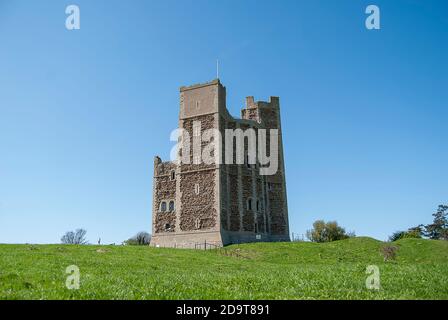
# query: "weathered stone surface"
[[163, 219], [198, 211]]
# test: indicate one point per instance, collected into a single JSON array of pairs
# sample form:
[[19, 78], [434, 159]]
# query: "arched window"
[[163, 206], [171, 206], [249, 204], [173, 175]]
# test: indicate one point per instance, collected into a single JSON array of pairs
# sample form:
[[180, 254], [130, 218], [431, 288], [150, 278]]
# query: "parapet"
[[163, 167], [251, 103], [200, 85]]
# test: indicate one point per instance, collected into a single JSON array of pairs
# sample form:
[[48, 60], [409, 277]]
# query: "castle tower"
[[197, 202]]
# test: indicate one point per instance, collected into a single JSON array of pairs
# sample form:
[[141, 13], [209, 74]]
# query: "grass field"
[[301, 270]]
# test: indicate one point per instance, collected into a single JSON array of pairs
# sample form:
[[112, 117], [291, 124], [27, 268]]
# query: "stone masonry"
[[197, 205]]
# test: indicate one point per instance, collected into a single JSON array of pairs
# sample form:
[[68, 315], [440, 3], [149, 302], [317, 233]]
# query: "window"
[[197, 105], [196, 188], [247, 161], [173, 175], [171, 206], [249, 204], [198, 224], [167, 227], [163, 206], [258, 205], [269, 186]]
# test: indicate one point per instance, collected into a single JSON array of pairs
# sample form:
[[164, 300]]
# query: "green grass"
[[334, 270]]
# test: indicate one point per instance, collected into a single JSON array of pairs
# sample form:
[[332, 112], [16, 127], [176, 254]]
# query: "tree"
[[417, 231], [318, 233], [75, 237], [444, 234], [140, 239], [327, 232], [143, 238], [439, 228]]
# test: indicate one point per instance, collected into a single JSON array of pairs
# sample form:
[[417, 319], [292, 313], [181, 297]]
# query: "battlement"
[[260, 111], [163, 167], [200, 85], [273, 102]]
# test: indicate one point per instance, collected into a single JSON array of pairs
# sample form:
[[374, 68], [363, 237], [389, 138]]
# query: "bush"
[[327, 232], [389, 252], [411, 233]]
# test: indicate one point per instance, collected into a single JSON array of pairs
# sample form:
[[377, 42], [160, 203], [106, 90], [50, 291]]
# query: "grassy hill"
[[301, 270]]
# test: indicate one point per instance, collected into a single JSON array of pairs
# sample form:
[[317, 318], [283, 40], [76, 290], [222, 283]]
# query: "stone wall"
[[163, 219], [207, 122], [198, 212], [164, 190]]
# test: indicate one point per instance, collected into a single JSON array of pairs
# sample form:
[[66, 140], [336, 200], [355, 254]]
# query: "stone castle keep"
[[219, 204]]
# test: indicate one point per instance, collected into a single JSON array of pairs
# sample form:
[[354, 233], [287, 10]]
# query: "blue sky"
[[82, 113]]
